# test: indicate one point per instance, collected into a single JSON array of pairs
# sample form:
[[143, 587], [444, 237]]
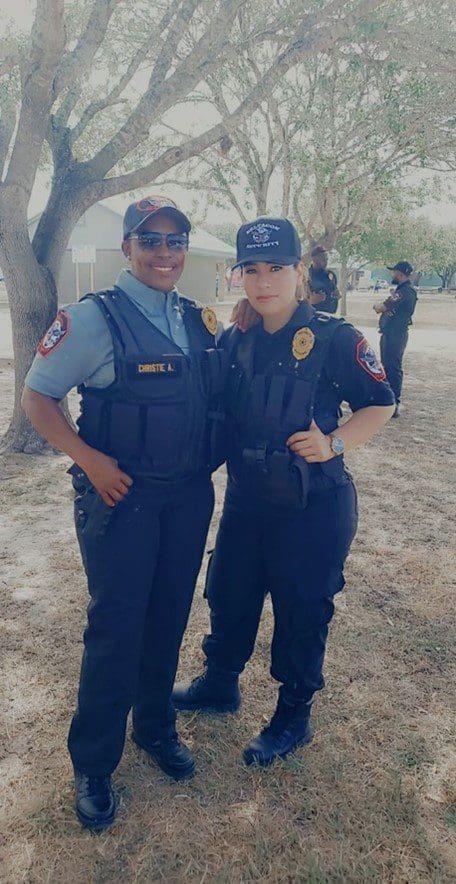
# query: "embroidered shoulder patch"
[[368, 360], [56, 334]]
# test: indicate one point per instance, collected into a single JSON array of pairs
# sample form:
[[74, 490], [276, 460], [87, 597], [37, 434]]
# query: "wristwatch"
[[337, 444]]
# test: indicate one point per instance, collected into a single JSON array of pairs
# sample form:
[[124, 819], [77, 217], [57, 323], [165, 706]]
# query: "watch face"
[[337, 445]]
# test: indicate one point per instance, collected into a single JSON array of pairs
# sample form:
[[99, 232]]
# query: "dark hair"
[[249, 264]]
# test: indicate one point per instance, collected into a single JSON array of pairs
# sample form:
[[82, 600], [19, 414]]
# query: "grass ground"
[[373, 799]]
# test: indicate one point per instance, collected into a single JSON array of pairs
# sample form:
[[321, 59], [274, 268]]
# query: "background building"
[[98, 235]]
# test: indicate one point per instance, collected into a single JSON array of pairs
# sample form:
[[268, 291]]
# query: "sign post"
[[84, 255]]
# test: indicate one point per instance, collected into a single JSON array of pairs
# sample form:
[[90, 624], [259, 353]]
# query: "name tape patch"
[[156, 368]]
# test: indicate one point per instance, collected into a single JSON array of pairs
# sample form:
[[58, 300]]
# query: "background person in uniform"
[[290, 510], [322, 283], [144, 361], [395, 318]]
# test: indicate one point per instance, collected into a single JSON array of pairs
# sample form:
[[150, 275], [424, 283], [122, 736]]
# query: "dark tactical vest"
[[156, 418], [265, 409]]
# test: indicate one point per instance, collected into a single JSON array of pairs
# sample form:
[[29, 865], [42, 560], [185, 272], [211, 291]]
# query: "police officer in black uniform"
[[323, 292], [148, 368], [290, 511], [395, 318]]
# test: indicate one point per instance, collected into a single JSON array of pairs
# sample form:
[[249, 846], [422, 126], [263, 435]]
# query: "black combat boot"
[[171, 755], [289, 728], [216, 690], [96, 803]]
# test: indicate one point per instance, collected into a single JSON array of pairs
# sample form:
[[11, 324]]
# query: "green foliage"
[[226, 232], [353, 119]]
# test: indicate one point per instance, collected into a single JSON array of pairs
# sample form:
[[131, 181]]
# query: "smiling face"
[[271, 290], [161, 267]]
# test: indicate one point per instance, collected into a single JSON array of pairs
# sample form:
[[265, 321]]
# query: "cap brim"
[[391, 268], [172, 212], [269, 259]]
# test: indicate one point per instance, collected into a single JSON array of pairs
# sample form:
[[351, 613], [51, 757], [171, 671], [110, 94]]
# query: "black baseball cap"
[[139, 212], [403, 267], [274, 240]]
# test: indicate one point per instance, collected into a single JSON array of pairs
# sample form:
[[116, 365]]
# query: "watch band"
[[337, 444]]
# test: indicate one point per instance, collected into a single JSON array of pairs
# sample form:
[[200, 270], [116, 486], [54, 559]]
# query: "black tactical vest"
[[265, 409], [155, 418]]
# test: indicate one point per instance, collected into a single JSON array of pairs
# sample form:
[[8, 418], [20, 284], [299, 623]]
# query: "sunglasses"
[[177, 242]]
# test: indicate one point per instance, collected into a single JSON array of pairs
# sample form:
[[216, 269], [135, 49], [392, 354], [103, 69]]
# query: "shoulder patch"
[[366, 357], [55, 335]]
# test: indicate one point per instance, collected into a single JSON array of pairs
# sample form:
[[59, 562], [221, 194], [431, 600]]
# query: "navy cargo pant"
[[392, 348], [142, 560], [299, 560]]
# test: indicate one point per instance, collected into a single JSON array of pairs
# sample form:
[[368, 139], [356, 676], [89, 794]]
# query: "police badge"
[[210, 320], [303, 343]]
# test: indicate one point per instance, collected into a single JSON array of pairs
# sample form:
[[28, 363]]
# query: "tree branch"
[[304, 44], [144, 51], [162, 93], [74, 65], [7, 126], [45, 50], [10, 56]]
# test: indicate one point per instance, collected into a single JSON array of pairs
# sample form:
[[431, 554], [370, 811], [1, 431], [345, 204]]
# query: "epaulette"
[[326, 317], [189, 302], [95, 295]]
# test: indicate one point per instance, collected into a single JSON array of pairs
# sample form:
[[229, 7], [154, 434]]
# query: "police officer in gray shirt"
[[146, 363]]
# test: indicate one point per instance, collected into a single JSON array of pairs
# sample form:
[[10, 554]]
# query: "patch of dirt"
[[372, 799]]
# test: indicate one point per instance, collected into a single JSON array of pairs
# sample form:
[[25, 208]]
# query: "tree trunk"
[[31, 276], [343, 281], [33, 306]]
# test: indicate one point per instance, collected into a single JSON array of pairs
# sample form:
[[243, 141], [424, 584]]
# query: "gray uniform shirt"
[[79, 348]]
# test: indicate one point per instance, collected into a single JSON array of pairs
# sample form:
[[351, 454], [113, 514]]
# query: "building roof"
[[101, 226], [204, 243]]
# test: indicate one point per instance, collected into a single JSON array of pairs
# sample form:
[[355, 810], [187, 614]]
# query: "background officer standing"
[[395, 318], [146, 365], [324, 294]]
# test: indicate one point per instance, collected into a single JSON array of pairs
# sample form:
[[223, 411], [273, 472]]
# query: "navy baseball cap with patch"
[[139, 212], [273, 240], [403, 267]]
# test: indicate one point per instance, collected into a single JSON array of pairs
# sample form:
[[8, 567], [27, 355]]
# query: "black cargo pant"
[[392, 348], [142, 560], [299, 559]]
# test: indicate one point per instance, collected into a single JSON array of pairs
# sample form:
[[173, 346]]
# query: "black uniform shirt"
[[351, 373], [401, 306]]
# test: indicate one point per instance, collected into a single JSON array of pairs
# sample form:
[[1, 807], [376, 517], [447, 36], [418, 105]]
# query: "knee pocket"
[[306, 615]]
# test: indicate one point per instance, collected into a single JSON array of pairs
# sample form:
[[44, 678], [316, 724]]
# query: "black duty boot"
[[171, 755], [96, 803], [289, 728], [216, 690]]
